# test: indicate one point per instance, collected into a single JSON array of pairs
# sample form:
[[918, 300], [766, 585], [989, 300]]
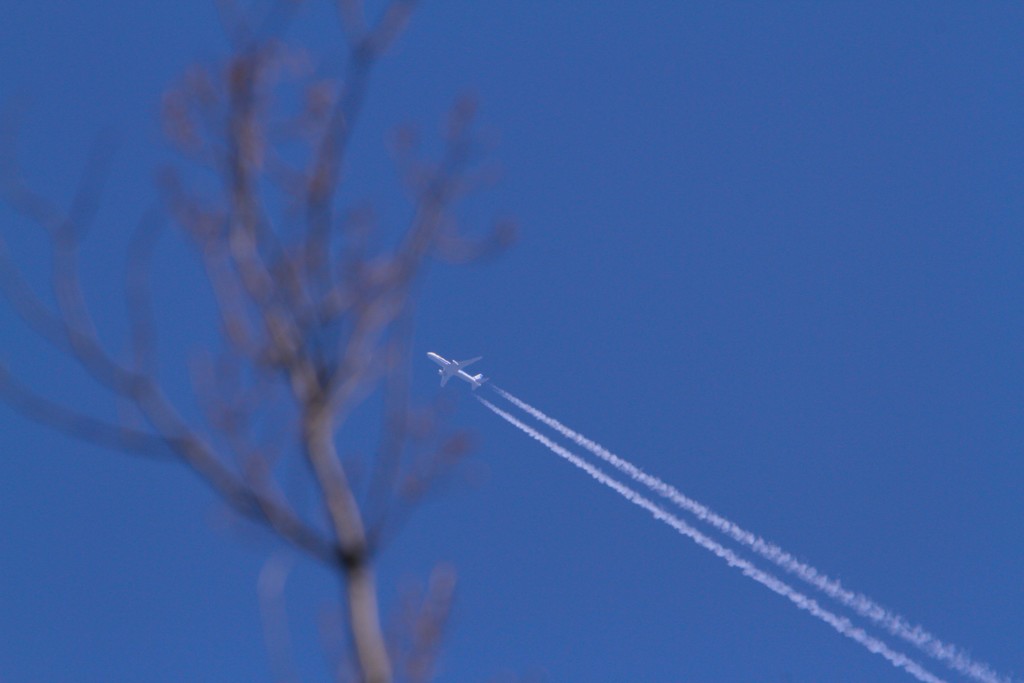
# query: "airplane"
[[456, 368]]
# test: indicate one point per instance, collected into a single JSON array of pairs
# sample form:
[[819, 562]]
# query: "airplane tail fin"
[[478, 381]]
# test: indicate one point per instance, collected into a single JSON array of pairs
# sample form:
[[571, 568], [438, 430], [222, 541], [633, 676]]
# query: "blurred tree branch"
[[313, 322]]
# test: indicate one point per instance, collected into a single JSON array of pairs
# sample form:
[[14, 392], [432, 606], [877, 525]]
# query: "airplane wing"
[[444, 379], [467, 363]]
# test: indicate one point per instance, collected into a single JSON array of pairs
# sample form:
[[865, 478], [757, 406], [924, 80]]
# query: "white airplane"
[[456, 368]]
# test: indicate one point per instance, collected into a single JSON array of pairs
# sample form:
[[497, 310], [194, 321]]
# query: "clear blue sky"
[[771, 252]]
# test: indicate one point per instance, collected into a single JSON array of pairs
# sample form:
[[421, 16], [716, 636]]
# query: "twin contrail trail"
[[840, 624], [861, 604]]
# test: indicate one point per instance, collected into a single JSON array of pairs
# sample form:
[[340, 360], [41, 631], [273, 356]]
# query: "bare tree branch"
[[311, 318], [141, 318], [79, 425], [274, 612]]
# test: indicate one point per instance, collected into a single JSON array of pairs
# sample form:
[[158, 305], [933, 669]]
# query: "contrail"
[[840, 624], [950, 655]]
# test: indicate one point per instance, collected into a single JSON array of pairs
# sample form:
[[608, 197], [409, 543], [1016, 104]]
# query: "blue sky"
[[769, 252]]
